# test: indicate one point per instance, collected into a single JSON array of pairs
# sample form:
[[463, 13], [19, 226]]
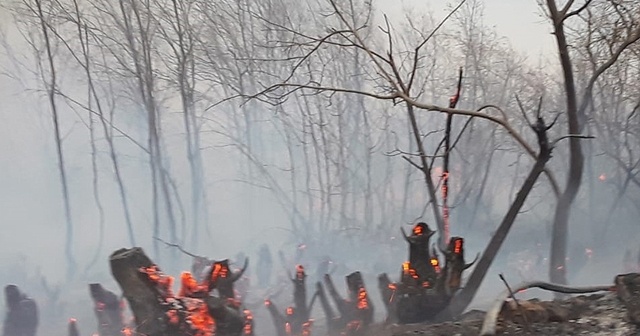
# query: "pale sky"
[[520, 21]]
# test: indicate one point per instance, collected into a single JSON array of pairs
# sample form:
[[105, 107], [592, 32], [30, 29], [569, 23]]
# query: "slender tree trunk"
[[560, 230], [51, 93]]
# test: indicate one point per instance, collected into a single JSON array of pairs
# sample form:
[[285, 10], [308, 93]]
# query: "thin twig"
[[179, 248], [520, 308]]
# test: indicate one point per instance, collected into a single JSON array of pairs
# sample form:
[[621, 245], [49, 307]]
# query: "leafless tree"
[[578, 100]]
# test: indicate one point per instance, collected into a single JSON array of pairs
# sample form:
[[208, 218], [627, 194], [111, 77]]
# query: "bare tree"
[[577, 102], [51, 89]]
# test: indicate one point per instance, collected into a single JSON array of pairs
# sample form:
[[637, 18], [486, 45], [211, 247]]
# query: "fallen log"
[[489, 324]]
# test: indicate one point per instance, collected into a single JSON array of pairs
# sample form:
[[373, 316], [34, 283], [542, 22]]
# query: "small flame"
[[436, 264], [163, 282], [457, 248], [417, 230], [300, 272], [362, 299]]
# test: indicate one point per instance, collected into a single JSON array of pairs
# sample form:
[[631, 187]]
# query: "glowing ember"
[[417, 230], [164, 282], [362, 299], [300, 272], [436, 264], [408, 271], [248, 323], [189, 285], [201, 321], [457, 248], [602, 177]]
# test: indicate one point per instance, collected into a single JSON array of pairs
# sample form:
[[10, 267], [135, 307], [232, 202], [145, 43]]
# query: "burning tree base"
[[425, 289], [158, 312]]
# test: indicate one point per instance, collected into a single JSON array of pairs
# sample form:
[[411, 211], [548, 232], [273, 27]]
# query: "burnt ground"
[[597, 314]]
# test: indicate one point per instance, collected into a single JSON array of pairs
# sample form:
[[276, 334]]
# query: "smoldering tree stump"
[[144, 299], [158, 312], [356, 312], [108, 310]]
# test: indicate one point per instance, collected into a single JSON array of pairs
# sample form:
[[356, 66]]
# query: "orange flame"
[[201, 321], [163, 282], [362, 299], [457, 246], [436, 264], [417, 230], [189, 285], [407, 270]]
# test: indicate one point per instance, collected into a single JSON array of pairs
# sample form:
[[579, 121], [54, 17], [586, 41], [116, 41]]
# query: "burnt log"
[[157, 312]]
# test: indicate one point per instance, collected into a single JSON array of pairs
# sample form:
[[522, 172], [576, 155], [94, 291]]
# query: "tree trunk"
[[51, 89], [559, 236], [462, 300]]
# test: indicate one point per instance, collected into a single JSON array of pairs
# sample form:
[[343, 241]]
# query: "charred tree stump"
[[387, 291], [330, 315], [295, 321], [356, 312], [419, 255], [73, 328], [158, 312], [142, 295], [108, 310]]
